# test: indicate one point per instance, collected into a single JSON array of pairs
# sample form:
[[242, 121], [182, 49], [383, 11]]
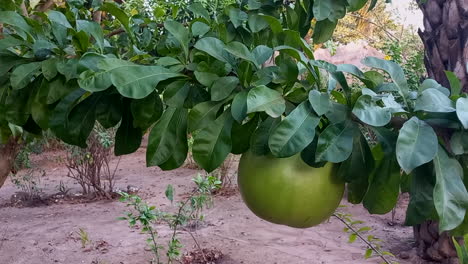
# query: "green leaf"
[[275, 24], [421, 204], [450, 195], [357, 169], [200, 28], [323, 31], [455, 84], [127, 138], [9, 41], [15, 20], [51, 92], [262, 53], [120, 14], [264, 99], [259, 140], [93, 29], [223, 87], [369, 112], [179, 153], [169, 193], [146, 111], [23, 74], [432, 100], [395, 71], [332, 10], [176, 93], [49, 68], [213, 47], [320, 102], [368, 253], [384, 188], [109, 110], [198, 10], [355, 5], [416, 144], [241, 135], [17, 107], [237, 16], [335, 143], [139, 81], [462, 111], [163, 137], [257, 23], [239, 106], [180, 33], [213, 143], [239, 50], [59, 18], [206, 78], [295, 132], [203, 115]]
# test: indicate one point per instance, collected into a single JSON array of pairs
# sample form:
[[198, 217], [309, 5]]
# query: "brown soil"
[[49, 233]]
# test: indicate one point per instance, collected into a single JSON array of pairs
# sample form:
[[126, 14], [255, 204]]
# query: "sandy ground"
[[48, 234]]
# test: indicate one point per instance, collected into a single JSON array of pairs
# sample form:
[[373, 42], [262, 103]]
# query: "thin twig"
[[198, 245], [364, 240]]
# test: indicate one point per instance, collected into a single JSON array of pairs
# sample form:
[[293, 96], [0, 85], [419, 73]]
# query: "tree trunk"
[[445, 40], [8, 154]]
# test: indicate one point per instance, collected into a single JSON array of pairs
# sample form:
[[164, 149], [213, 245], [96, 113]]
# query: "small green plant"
[[462, 250], [356, 230], [29, 182], [84, 237], [187, 211]]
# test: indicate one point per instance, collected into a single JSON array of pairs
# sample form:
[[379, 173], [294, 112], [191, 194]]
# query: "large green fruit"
[[287, 191]]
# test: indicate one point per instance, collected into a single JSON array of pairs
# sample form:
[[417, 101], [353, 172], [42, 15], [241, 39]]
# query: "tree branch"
[[46, 6], [24, 10]]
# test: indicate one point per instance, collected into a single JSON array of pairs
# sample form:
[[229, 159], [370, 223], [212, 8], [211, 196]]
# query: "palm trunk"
[[445, 40], [8, 154]]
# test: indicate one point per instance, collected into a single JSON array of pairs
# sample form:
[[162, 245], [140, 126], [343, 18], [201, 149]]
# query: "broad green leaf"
[[59, 18], [259, 139], [49, 68], [206, 78], [200, 28], [323, 31], [264, 99], [332, 10], [386, 138], [395, 71], [450, 195], [16, 20], [213, 143], [68, 68], [146, 111], [369, 112], [262, 54], [93, 29], [421, 204], [320, 102], [455, 84], [416, 144], [109, 110], [462, 111], [203, 115], [180, 33], [355, 5], [52, 91], [257, 23], [357, 169], [337, 113], [127, 138], [239, 106], [139, 81], [239, 50], [275, 24], [16, 105], [295, 132], [223, 87], [430, 83], [237, 16], [163, 137], [384, 188], [176, 93], [23, 74], [432, 100], [213, 47], [335, 143], [241, 135], [9, 41], [120, 14], [179, 153], [170, 193], [198, 10]]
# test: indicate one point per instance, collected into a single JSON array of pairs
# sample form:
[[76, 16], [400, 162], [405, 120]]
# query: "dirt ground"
[[48, 234]]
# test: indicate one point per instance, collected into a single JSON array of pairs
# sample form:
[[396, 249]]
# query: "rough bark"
[[8, 154], [445, 39]]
